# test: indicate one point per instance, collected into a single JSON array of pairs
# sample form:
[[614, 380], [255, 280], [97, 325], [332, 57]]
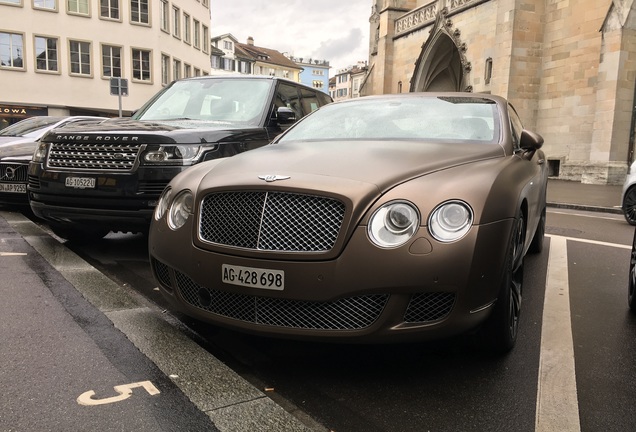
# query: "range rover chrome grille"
[[271, 221], [115, 157]]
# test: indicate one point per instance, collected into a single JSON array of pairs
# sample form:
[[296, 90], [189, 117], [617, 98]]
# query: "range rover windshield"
[[231, 101]]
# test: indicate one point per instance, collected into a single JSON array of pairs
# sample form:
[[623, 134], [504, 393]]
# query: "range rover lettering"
[[89, 180]]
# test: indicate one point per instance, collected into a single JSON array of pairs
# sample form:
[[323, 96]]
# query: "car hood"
[[19, 151], [184, 131], [378, 164]]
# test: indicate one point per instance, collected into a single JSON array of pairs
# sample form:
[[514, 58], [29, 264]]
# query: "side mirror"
[[285, 116], [530, 140]]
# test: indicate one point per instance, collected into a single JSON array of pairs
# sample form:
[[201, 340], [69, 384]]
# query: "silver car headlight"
[[393, 224], [180, 209], [40, 152], [164, 202], [450, 221], [182, 154]]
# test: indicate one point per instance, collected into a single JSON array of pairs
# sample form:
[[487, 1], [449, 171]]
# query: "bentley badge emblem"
[[272, 177]]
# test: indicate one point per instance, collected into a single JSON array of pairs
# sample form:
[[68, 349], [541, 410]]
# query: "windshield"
[[411, 117], [240, 101], [29, 127]]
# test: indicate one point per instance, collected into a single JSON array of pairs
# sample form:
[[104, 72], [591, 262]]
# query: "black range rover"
[[89, 180]]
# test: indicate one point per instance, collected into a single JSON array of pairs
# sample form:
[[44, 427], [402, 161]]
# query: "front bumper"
[[424, 290]]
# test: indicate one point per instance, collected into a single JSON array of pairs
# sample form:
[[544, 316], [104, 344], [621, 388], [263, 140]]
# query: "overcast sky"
[[333, 30]]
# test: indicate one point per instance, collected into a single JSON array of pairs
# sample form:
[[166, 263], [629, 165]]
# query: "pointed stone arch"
[[442, 65]]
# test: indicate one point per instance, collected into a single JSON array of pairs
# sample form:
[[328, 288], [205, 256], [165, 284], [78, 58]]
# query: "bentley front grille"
[[92, 156], [352, 313], [429, 307], [13, 173], [271, 221]]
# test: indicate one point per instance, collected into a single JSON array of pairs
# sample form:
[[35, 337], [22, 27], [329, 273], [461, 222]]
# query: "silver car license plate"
[[13, 187], [80, 182], [253, 277]]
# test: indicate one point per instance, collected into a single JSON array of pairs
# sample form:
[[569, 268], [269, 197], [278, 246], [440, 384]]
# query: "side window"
[[309, 101], [515, 126], [287, 96]]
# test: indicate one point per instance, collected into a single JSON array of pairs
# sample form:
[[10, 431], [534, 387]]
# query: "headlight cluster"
[[182, 154], [394, 223], [40, 152], [178, 209]]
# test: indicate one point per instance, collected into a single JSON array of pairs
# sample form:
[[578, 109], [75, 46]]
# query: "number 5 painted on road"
[[125, 391]]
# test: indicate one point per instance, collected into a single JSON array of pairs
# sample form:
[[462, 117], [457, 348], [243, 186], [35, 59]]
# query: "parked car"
[[631, 284], [90, 181], [383, 218], [17, 144], [628, 202]]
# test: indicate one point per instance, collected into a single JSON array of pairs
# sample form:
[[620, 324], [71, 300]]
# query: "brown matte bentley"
[[378, 219]]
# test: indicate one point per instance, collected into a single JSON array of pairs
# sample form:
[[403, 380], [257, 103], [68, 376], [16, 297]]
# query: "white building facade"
[[57, 57]]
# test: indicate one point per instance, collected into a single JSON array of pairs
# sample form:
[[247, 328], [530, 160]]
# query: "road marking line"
[[595, 242], [12, 254], [557, 402]]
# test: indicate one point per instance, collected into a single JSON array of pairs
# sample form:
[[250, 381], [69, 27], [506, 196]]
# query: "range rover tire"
[[499, 332], [78, 234]]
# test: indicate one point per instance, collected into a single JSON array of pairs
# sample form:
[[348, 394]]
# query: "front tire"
[[501, 328], [629, 206]]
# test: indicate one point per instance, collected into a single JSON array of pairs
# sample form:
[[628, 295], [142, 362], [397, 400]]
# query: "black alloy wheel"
[[631, 285], [501, 329], [629, 205]]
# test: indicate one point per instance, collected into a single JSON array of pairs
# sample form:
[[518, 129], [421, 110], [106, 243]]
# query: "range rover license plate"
[[80, 182], [13, 187], [253, 277]]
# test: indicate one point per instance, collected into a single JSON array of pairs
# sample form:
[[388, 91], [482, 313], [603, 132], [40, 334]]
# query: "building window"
[[165, 69], [244, 67], [78, 7], [488, 71], [187, 70], [11, 50], [141, 65], [318, 72], [165, 16], [228, 64], [196, 37], [318, 84], [80, 57], [399, 87], [176, 69], [176, 22], [197, 72], [45, 4], [12, 2], [46, 54], [139, 12], [206, 3], [187, 31], [215, 62], [111, 61], [206, 38], [109, 9], [227, 45]]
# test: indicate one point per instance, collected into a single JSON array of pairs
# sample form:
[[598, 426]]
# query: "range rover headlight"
[[164, 202], [180, 210], [450, 221], [40, 152], [393, 224], [182, 154]]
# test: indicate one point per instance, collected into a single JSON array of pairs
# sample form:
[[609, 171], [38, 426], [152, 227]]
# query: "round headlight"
[[450, 221], [393, 224], [180, 210], [164, 202]]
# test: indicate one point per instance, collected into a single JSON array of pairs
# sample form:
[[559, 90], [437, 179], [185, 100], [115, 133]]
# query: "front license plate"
[[13, 187], [253, 277], [80, 182]]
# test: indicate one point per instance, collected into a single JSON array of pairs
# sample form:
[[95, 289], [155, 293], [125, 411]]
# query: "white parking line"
[[557, 402]]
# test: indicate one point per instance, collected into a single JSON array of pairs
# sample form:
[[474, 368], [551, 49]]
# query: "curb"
[[584, 207]]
